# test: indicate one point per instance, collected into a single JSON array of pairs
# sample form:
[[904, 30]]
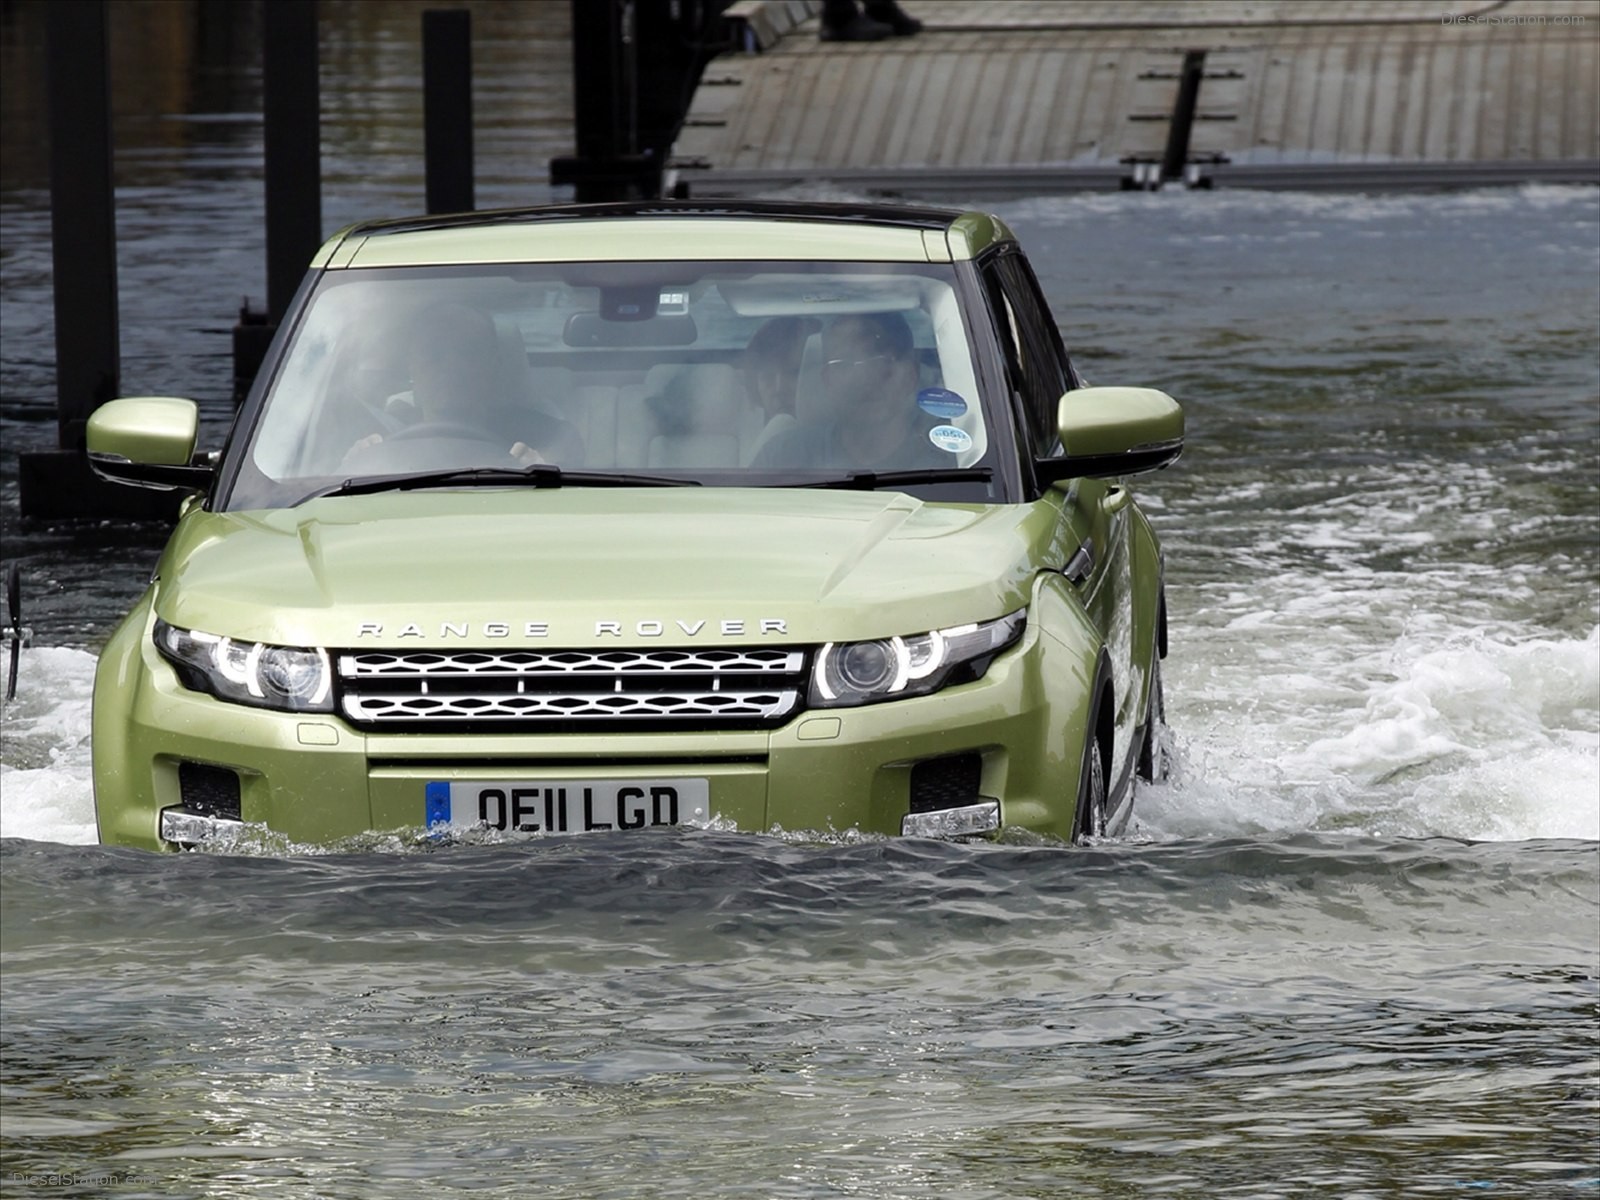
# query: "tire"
[[1155, 765], [1090, 820]]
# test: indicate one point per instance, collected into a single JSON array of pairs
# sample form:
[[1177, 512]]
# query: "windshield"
[[730, 374]]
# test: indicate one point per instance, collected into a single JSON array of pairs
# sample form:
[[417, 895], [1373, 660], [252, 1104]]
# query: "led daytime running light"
[[921, 663], [287, 678]]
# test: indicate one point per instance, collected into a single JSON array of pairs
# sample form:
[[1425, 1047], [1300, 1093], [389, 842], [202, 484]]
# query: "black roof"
[[773, 210]]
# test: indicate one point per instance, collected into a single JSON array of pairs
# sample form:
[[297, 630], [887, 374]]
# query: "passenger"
[[842, 21], [870, 371], [770, 365], [459, 391], [672, 408], [758, 406]]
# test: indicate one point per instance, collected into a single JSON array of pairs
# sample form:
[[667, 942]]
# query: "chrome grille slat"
[[725, 687], [476, 663]]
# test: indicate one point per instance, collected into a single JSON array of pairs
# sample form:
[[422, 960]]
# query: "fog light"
[[189, 829], [953, 822]]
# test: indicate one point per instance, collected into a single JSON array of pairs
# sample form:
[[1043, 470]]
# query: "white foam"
[[1282, 722], [53, 804], [1326, 209], [46, 786], [1478, 735]]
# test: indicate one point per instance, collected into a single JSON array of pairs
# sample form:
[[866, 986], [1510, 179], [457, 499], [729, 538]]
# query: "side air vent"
[[209, 791], [945, 782]]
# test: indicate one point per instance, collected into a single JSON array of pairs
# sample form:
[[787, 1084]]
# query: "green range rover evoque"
[[743, 516]]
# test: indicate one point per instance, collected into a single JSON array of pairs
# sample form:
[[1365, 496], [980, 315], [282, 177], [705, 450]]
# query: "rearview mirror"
[[1114, 431], [629, 329], [147, 441]]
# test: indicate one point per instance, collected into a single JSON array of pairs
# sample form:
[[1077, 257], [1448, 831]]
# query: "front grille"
[[718, 688]]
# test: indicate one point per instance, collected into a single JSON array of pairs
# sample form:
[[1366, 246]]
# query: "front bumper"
[[315, 780]]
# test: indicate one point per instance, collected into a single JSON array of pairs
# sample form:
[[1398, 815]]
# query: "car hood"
[[585, 567]]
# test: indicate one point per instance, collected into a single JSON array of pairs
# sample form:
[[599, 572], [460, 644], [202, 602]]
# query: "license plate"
[[568, 805]]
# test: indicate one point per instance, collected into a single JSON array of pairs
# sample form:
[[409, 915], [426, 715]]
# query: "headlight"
[[851, 673], [281, 677]]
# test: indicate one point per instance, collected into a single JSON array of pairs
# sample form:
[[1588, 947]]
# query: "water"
[[1352, 949], [709, 1015]]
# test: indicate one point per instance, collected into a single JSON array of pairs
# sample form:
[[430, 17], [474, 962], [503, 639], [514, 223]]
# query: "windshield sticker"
[[948, 437], [941, 402]]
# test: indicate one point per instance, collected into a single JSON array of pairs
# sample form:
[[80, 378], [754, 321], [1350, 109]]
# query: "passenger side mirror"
[[1114, 431], [147, 441]]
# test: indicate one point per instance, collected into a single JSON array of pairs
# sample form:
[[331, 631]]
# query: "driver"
[[459, 391]]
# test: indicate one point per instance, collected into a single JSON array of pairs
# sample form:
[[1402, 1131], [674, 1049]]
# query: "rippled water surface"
[[711, 1015], [1352, 948]]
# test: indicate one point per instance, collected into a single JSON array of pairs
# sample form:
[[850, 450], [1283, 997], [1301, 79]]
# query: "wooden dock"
[[1012, 96]]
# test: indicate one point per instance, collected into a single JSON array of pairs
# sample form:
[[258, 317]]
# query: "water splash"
[[46, 788], [1475, 735], [1472, 735]]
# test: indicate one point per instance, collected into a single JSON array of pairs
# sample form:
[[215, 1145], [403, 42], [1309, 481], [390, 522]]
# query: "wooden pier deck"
[[1009, 96]]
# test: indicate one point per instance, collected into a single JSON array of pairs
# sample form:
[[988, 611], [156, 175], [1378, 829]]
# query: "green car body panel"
[[504, 573]]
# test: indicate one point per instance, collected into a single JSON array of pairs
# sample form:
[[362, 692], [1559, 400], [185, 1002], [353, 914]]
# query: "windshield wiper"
[[867, 481], [546, 475]]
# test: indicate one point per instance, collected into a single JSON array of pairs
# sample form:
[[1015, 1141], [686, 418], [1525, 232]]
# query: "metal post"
[[290, 105], [82, 217], [447, 109], [603, 63], [55, 485], [1176, 157], [609, 164]]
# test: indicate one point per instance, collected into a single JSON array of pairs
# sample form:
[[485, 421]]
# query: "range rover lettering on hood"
[[701, 627]]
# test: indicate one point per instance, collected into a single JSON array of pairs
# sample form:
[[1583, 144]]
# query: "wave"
[[1479, 736]]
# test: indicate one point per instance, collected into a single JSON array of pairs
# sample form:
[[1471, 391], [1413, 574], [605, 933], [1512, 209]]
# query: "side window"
[[1008, 328], [1045, 373], [1052, 331]]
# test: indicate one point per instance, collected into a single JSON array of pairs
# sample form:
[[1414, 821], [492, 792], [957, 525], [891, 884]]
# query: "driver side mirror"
[[147, 441], [1114, 431]]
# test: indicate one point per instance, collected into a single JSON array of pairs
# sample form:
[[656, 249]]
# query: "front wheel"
[[1090, 821], [1155, 764]]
